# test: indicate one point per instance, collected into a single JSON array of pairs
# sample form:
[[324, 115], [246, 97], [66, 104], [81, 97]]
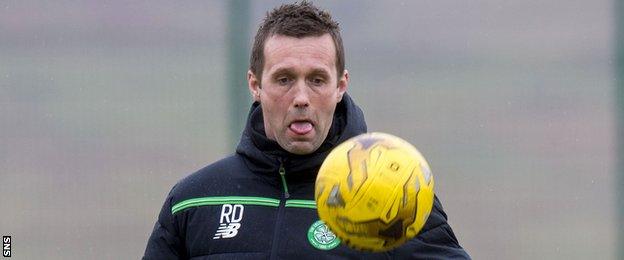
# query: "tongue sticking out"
[[301, 128]]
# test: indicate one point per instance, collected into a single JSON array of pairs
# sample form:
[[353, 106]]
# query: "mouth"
[[301, 127]]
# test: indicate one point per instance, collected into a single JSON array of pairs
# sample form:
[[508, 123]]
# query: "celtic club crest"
[[321, 237]]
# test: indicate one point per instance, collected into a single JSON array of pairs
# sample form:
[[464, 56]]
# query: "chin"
[[301, 149]]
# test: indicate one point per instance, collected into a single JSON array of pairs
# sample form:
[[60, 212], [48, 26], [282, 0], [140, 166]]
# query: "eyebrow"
[[282, 71], [290, 71], [320, 72]]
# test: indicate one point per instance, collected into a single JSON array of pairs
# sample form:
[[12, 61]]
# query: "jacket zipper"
[[280, 213], [282, 173]]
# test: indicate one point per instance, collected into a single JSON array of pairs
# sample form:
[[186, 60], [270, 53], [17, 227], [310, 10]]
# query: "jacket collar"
[[265, 156]]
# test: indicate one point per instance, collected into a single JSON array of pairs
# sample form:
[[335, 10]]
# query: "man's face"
[[298, 91]]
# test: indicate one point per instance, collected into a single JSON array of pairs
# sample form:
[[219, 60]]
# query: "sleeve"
[[165, 241], [435, 241]]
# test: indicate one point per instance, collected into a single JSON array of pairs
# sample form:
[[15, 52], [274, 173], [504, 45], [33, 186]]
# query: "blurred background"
[[105, 105]]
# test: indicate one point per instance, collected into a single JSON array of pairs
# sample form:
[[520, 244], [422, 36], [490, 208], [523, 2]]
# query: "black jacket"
[[259, 204]]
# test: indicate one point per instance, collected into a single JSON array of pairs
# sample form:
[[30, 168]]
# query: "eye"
[[317, 81], [283, 81]]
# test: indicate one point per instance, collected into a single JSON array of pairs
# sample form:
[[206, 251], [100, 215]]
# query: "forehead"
[[285, 51]]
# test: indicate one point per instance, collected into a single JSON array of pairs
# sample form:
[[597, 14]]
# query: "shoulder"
[[207, 179], [435, 241]]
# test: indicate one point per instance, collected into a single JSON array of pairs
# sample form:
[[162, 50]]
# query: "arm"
[[165, 242], [435, 241]]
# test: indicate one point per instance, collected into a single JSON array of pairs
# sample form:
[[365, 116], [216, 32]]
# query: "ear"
[[254, 86], [343, 84]]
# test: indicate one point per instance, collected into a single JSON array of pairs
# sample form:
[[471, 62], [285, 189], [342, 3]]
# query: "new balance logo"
[[231, 216]]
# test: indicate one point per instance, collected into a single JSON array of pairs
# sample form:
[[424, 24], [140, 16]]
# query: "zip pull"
[[282, 173]]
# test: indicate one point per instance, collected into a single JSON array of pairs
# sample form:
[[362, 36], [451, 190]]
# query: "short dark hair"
[[296, 20]]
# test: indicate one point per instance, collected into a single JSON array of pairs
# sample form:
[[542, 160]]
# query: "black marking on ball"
[[350, 180], [351, 161], [368, 141], [413, 219], [394, 166], [320, 191], [350, 176], [393, 231], [334, 198], [406, 188]]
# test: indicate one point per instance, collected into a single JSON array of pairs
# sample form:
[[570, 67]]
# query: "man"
[[258, 203]]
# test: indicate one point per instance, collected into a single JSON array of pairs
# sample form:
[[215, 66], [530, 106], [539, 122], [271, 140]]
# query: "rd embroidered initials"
[[231, 216]]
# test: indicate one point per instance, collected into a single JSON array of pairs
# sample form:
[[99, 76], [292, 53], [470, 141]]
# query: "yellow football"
[[374, 191]]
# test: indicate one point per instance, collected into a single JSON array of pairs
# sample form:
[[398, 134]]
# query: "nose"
[[302, 98]]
